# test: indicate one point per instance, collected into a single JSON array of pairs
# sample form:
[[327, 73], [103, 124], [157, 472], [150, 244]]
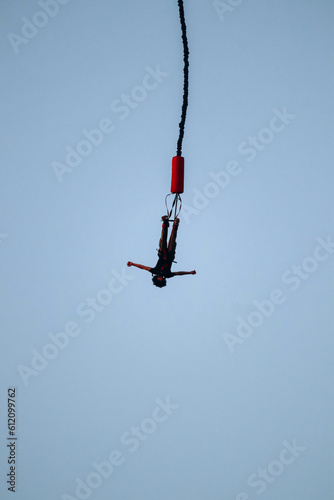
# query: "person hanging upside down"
[[166, 254]]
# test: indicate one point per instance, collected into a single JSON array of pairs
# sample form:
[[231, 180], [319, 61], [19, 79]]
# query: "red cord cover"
[[177, 184]]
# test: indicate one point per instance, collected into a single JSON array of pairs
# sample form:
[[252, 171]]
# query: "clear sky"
[[219, 386]]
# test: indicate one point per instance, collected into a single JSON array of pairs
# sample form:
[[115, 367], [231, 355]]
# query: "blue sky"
[[218, 376]]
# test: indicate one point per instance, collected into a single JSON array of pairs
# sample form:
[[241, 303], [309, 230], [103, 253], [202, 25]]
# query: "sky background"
[[236, 401]]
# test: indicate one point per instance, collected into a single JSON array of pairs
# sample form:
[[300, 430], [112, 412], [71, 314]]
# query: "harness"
[[163, 266]]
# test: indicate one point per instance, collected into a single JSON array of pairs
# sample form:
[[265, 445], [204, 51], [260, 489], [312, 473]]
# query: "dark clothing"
[[166, 253], [162, 267]]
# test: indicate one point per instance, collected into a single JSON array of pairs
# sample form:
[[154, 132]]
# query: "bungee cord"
[[185, 78], [178, 160]]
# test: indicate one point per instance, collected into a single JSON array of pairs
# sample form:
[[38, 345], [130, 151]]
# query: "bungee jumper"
[[166, 253]]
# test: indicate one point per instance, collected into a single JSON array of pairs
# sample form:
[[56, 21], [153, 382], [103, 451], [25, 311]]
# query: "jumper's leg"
[[172, 240], [163, 238]]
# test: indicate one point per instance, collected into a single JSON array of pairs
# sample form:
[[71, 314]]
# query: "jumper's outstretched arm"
[[140, 266], [182, 273]]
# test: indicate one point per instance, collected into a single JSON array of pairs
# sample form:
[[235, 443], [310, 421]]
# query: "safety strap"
[[174, 206]]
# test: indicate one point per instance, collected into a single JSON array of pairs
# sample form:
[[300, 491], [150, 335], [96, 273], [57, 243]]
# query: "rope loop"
[[177, 211]]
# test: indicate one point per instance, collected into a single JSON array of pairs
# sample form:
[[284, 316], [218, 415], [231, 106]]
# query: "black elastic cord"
[[185, 78]]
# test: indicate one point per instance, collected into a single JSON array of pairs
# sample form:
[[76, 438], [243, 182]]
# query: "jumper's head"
[[159, 281]]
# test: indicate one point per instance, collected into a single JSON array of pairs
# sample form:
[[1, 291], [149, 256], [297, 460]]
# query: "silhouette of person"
[[166, 254]]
